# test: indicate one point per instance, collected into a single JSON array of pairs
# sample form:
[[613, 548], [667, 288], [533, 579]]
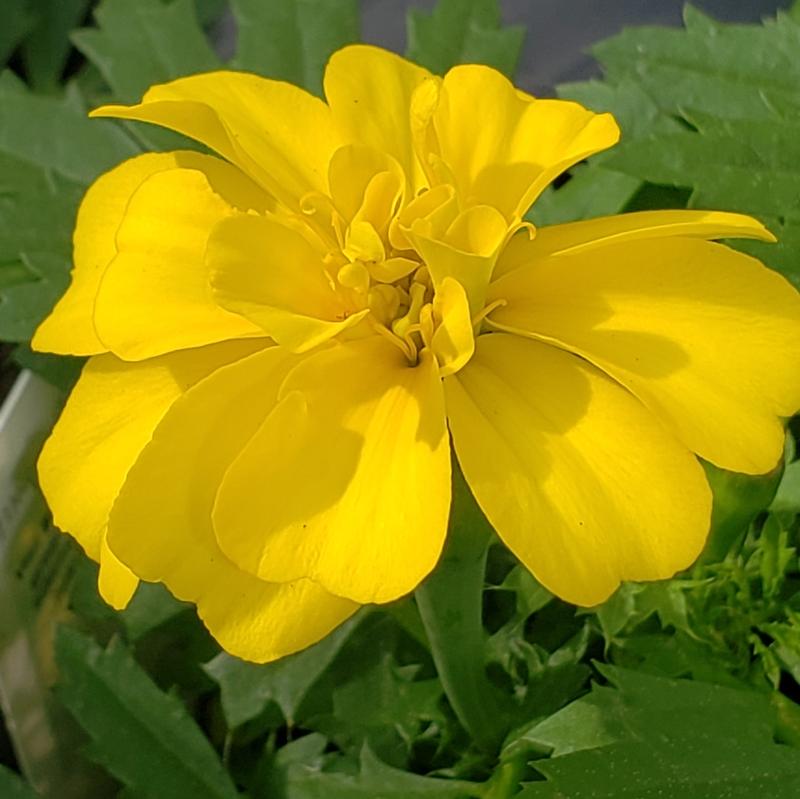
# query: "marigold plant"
[[287, 335]]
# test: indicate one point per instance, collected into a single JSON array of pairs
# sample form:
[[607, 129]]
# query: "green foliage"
[[138, 44], [732, 619], [144, 737], [373, 780], [293, 40], [41, 182], [463, 32], [650, 736], [737, 90], [12, 787], [247, 688], [46, 47]]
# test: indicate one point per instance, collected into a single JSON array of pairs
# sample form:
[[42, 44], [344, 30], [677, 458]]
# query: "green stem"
[[450, 605], [505, 781]]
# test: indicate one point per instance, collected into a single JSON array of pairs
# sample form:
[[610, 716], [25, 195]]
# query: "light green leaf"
[[787, 498], [739, 72], [463, 32], [143, 736], [593, 189], [139, 44], [650, 737], [375, 780], [293, 39], [12, 786], [247, 688], [738, 499]]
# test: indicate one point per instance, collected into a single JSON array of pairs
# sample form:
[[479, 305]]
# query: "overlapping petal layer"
[[369, 91], [278, 134], [155, 295], [514, 145], [161, 523], [271, 275], [578, 478], [355, 467], [702, 334], [108, 419]]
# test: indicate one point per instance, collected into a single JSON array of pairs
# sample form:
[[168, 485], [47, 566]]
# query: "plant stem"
[[450, 605]]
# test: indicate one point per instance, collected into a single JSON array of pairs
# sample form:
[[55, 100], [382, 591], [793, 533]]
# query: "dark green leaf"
[[463, 32], [18, 20], [399, 710], [375, 780], [450, 604], [12, 786], [46, 48], [247, 688], [59, 370], [138, 44], [292, 40], [652, 737], [143, 736]]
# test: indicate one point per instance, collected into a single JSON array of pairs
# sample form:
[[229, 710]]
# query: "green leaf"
[[651, 737], [62, 371], [143, 736], [18, 20], [738, 499], [292, 40], [49, 152], [463, 32], [450, 604], [139, 44], [787, 498], [738, 88], [400, 708], [46, 48], [593, 189], [247, 688], [728, 71], [375, 780], [12, 786]]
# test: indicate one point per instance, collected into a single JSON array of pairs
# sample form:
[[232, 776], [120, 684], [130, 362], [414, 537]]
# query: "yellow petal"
[[578, 478], [575, 237], [161, 522], [349, 477], [69, 328], [705, 336], [278, 134], [369, 91], [108, 418], [116, 582], [467, 251], [453, 342], [155, 295], [271, 275], [502, 146]]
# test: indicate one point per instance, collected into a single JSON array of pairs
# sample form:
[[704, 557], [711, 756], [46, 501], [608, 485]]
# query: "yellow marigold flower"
[[284, 339]]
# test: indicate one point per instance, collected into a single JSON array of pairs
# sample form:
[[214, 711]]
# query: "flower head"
[[286, 335]]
